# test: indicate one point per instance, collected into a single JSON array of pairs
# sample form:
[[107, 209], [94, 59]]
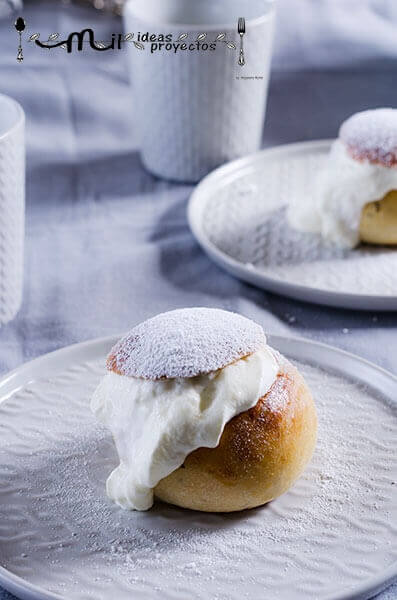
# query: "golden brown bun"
[[379, 221], [261, 453]]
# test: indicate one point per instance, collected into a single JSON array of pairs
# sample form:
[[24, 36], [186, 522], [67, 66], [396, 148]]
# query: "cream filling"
[[156, 424], [334, 206]]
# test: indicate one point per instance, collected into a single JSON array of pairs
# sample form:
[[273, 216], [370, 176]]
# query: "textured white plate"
[[332, 536], [238, 215]]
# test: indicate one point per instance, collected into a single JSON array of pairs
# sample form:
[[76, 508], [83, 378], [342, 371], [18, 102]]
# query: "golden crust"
[[260, 454], [111, 363], [379, 221], [375, 156]]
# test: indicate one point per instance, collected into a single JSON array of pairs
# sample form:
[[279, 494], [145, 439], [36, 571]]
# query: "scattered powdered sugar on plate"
[[58, 530], [185, 343]]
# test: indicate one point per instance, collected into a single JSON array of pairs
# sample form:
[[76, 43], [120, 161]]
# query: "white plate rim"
[[321, 354], [253, 275]]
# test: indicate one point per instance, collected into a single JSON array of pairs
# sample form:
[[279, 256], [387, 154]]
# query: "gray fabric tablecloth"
[[107, 244]]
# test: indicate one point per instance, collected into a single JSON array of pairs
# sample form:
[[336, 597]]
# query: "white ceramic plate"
[[238, 215], [333, 535]]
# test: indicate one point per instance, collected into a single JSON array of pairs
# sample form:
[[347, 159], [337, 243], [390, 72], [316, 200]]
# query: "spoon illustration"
[[20, 26]]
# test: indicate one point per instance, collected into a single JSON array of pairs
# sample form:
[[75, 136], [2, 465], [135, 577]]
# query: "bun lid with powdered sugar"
[[371, 135], [185, 343]]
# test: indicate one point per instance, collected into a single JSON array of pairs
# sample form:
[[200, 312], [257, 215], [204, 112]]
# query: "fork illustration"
[[241, 31]]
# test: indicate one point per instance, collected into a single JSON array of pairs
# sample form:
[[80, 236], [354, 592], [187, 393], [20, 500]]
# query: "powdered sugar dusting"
[[185, 343], [372, 135], [331, 531], [278, 396]]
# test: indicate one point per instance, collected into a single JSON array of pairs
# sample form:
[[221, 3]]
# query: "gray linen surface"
[[108, 244], [8, 6]]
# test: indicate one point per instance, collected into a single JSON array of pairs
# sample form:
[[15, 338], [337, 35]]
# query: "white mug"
[[199, 98], [12, 206]]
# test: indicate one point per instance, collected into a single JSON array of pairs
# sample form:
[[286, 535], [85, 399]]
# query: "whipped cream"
[[339, 193], [156, 424]]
